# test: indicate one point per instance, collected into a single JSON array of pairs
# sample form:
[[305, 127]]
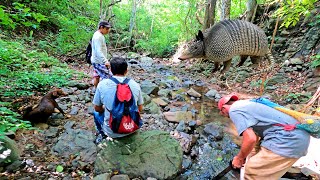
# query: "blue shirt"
[[261, 118], [105, 94]]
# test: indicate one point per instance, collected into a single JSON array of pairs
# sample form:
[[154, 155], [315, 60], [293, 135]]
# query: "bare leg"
[[96, 81]]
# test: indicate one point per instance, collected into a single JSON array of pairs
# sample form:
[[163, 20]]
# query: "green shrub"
[[315, 61], [10, 122], [24, 70], [20, 16], [292, 10]]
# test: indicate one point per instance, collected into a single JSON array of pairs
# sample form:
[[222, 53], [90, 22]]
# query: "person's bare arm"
[[99, 109], [140, 107], [248, 143]]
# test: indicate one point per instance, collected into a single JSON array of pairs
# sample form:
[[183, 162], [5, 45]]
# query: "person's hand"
[[237, 162]]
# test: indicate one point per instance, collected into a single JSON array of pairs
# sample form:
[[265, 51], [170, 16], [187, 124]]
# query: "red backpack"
[[124, 115]]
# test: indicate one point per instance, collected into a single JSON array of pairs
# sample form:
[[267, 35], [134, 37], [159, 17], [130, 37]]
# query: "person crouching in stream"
[[257, 123]]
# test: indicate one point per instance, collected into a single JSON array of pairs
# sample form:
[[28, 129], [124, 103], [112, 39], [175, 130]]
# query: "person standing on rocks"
[[105, 94], [259, 123], [99, 59]]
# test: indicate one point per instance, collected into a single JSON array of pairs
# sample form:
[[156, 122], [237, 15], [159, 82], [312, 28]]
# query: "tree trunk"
[[132, 20], [251, 9], [133, 16], [209, 14], [100, 14], [225, 9]]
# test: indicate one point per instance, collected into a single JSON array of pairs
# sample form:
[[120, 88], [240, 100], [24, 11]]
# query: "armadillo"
[[227, 39]]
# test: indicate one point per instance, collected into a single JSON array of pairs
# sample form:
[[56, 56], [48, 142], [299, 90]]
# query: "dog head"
[[57, 93]]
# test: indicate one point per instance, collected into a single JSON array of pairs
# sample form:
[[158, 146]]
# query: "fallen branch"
[[119, 48], [314, 98]]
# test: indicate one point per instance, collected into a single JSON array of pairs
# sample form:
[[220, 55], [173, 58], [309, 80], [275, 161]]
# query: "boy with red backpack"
[[117, 103]]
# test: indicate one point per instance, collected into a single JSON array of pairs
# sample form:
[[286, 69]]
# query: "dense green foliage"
[[20, 16], [292, 10], [9, 120], [24, 70], [315, 61]]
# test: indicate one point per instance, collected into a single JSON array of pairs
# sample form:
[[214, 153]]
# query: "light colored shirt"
[[105, 94], [292, 144], [99, 49]]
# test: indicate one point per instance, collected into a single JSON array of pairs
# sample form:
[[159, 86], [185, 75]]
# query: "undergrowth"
[[23, 71]]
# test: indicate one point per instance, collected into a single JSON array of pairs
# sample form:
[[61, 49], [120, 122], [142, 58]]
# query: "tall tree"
[[106, 9], [225, 9], [251, 10], [133, 15], [209, 14]]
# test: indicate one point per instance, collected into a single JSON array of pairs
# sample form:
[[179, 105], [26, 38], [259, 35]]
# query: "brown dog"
[[46, 107]]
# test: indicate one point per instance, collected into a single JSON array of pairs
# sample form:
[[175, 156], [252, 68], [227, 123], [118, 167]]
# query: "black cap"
[[104, 24]]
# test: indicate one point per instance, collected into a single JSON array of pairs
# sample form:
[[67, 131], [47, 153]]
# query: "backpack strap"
[[126, 81], [114, 80], [117, 82]]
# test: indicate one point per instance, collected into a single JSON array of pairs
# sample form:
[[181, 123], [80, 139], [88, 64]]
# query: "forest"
[[43, 45]]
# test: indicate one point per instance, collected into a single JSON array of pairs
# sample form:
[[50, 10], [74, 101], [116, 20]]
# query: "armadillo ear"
[[200, 35]]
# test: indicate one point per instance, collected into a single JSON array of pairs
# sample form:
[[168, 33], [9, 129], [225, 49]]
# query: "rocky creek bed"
[[183, 135]]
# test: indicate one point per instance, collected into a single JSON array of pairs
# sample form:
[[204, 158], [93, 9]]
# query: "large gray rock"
[[144, 154], [76, 141], [9, 151]]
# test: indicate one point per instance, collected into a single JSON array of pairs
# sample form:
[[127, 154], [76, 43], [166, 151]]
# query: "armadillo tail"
[[268, 69]]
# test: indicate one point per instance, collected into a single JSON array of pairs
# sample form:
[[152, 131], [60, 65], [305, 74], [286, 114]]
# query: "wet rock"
[[146, 62], [186, 141], [75, 141], [52, 132], [181, 126], [73, 98], [78, 85], [133, 55], [188, 83], [200, 83], [160, 102], [90, 110], [312, 84], [9, 150], [69, 125], [215, 132], [186, 163], [120, 177], [104, 176], [74, 110], [295, 61], [279, 78], [143, 154], [178, 116], [192, 124], [42, 126], [152, 108], [211, 93], [164, 92], [193, 93], [149, 88], [14, 166]]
